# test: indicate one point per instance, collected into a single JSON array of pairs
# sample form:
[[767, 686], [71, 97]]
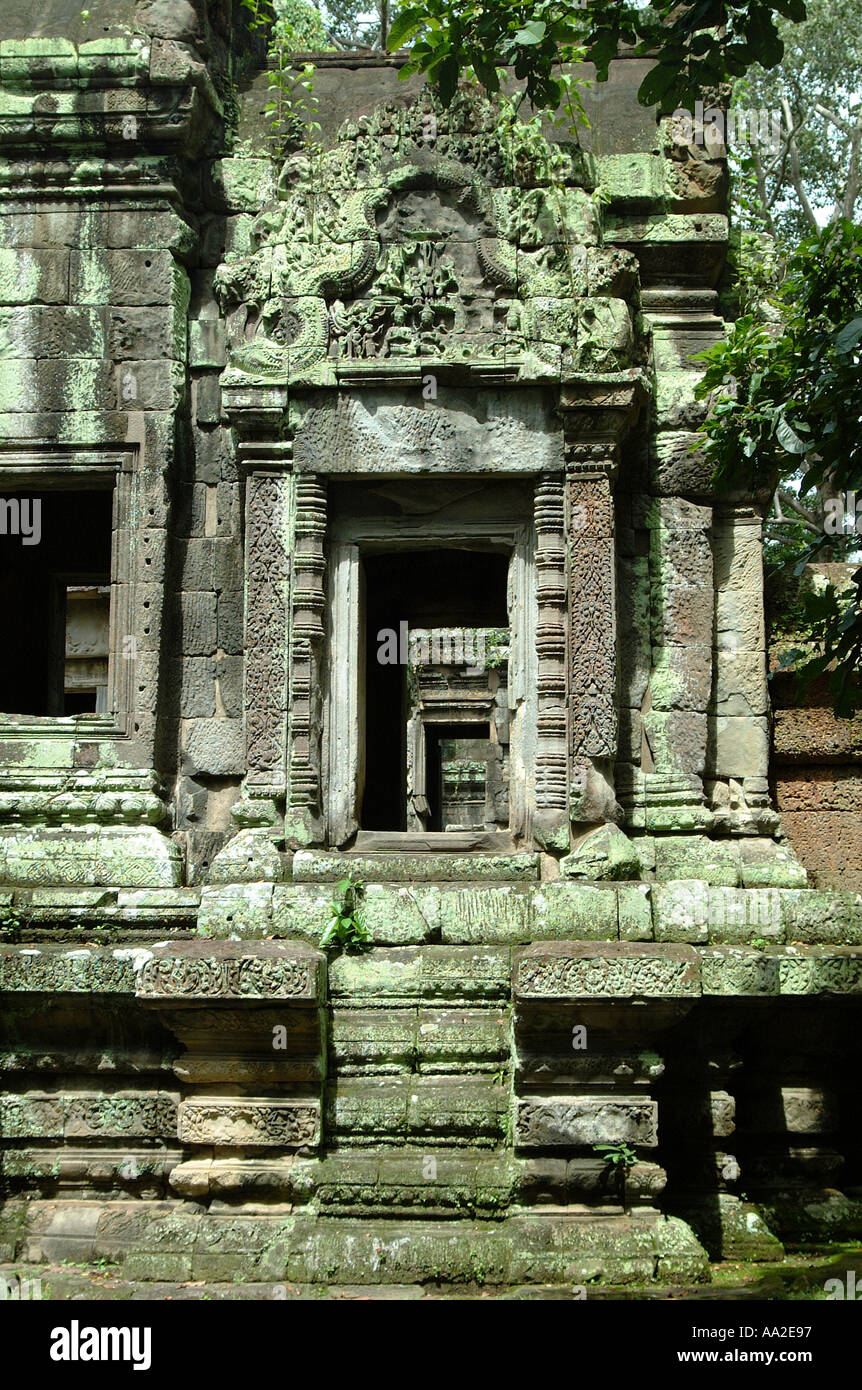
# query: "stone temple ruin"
[[372, 545]]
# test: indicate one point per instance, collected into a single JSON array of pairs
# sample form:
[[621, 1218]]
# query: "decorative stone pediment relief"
[[445, 236]]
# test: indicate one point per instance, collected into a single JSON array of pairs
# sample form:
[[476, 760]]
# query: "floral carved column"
[[592, 664], [253, 854]]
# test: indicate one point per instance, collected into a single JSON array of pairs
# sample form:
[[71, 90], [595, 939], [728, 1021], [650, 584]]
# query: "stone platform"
[[430, 1111]]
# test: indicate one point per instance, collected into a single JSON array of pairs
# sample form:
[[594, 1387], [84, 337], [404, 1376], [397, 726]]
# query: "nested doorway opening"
[[428, 706]]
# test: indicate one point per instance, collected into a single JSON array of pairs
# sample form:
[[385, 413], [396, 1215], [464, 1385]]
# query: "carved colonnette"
[[551, 596], [304, 801], [269, 507]]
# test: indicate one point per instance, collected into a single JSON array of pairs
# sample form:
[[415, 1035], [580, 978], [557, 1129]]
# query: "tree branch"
[[796, 168]]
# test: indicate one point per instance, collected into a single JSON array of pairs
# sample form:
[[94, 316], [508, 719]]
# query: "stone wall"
[[817, 758], [283, 357]]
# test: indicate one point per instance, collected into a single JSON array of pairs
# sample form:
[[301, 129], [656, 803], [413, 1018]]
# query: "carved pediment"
[[429, 235]]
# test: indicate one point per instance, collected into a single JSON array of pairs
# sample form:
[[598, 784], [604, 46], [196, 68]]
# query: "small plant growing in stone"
[[10, 925], [619, 1158], [346, 927]]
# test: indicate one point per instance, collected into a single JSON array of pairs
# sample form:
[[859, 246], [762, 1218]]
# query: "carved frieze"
[[244, 1123], [592, 664], [294, 976]]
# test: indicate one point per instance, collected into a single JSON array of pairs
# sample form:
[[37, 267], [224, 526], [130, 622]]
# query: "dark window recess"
[[425, 589], [54, 602], [456, 761]]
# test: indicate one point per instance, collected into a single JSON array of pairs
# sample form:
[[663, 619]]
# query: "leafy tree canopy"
[[789, 405], [697, 46], [812, 173]]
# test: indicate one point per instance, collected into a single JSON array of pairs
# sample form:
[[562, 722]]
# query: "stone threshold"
[[420, 865], [432, 842]]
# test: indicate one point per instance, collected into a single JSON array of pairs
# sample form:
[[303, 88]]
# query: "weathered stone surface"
[[400, 342], [246, 1123], [417, 971], [581, 1122], [584, 970], [605, 853]]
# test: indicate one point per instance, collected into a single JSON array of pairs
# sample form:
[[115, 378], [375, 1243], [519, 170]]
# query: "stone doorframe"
[[342, 716], [288, 785]]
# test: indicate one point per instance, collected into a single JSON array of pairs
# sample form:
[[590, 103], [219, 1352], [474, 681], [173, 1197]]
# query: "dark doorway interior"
[[50, 543], [447, 741], [425, 589]]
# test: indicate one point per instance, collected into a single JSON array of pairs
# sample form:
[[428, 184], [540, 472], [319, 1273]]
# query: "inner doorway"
[[431, 663], [408, 592]]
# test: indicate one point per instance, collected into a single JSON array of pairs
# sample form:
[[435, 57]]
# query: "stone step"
[[328, 867], [414, 911], [434, 842], [178, 1241]]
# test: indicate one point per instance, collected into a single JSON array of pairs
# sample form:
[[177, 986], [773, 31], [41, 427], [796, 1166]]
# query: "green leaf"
[[534, 32], [404, 26], [447, 78], [849, 336], [788, 438], [656, 84]]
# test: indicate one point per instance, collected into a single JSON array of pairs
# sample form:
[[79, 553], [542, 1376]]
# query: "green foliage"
[[299, 24], [358, 23], [814, 173], [11, 923], [697, 46], [620, 1157], [291, 26], [787, 405], [346, 926]]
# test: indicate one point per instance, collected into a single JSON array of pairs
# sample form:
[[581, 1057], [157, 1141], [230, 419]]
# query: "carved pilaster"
[[304, 798], [267, 601], [253, 855], [551, 755], [592, 622]]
